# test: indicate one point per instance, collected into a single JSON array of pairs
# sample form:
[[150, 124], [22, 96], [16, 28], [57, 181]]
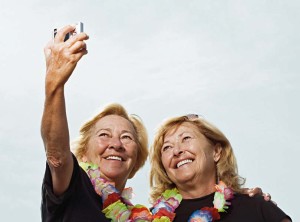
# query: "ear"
[[217, 152], [84, 158]]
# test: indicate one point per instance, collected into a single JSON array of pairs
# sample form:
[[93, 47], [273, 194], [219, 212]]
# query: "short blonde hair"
[[227, 170], [81, 145]]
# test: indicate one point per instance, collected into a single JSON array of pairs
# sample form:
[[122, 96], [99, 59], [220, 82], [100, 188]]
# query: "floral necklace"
[[116, 205], [118, 208], [171, 199]]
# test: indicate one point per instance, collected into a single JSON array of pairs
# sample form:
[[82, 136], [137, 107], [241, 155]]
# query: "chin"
[[113, 175], [184, 180]]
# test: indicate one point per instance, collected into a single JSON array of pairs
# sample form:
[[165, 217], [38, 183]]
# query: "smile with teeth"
[[114, 158], [183, 162]]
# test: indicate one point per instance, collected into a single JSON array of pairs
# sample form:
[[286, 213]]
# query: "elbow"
[[56, 159]]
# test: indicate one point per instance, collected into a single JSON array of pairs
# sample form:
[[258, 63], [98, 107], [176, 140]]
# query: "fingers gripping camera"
[[78, 29]]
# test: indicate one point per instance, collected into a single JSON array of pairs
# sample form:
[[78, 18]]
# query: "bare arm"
[[286, 220], [61, 60]]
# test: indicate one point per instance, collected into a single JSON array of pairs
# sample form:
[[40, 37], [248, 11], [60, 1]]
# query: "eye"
[[165, 148], [103, 135], [126, 137], [186, 138]]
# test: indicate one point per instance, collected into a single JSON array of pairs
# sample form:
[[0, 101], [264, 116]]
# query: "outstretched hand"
[[62, 57]]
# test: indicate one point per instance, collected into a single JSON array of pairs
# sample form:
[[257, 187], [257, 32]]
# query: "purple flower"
[[228, 193]]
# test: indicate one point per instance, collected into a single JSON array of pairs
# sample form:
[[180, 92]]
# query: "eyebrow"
[[178, 136], [98, 130], [109, 129]]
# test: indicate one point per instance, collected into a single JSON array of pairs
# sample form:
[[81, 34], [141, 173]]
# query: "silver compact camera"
[[78, 29]]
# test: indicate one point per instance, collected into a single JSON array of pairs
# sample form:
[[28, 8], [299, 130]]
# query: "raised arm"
[[61, 60]]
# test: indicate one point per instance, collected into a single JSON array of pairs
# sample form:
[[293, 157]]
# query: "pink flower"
[[228, 193]]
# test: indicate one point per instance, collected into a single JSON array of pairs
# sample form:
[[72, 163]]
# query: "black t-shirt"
[[242, 209], [79, 203]]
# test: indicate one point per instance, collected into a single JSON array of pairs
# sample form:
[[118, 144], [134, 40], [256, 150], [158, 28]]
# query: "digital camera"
[[78, 29]]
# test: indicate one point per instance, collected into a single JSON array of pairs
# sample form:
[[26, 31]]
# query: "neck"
[[196, 189], [120, 186], [118, 183]]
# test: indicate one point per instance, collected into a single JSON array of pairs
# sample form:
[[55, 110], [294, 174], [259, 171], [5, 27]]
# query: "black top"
[[79, 203], [242, 208]]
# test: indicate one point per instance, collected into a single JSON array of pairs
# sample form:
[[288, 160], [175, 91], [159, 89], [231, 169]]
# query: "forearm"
[[55, 134], [54, 129]]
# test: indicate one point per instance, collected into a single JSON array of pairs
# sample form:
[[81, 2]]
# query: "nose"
[[115, 143], [177, 150]]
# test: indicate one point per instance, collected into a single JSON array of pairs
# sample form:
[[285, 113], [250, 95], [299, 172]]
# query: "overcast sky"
[[234, 62]]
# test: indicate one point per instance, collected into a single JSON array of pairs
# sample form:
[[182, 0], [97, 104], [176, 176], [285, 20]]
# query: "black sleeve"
[[52, 204], [271, 212]]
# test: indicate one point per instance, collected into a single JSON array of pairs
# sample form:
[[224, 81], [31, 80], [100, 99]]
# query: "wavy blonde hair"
[[227, 170], [81, 145]]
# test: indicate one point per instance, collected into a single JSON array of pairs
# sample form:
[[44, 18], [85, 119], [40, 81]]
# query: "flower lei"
[[117, 206], [171, 199]]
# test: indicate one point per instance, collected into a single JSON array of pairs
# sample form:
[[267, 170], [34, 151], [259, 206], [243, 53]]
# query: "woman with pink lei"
[[112, 147], [194, 177]]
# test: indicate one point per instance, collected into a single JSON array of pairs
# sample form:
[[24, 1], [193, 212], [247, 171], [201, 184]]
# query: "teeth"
[[114, 158], [183, 162]]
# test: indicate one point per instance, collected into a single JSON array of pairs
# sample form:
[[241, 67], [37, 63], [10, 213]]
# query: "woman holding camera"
[[113, 144]]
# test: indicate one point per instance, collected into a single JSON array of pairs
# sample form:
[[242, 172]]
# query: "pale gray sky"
[[233, 62]]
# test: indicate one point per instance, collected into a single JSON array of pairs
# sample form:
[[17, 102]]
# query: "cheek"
[[165, 160], [96, 147], [206, 159], [135, 155], [133, 152], [99, 145]]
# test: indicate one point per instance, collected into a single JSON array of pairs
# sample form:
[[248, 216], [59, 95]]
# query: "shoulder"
[[80, 202], [79, 181], [247, 198], [257, 205], [255, 201], [47, 181]]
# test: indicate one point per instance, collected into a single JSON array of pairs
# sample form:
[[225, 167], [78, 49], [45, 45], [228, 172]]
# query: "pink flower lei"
[[117, 206]]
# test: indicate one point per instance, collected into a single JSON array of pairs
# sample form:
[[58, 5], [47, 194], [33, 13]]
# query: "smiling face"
[[188, 156], [113, 147]]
